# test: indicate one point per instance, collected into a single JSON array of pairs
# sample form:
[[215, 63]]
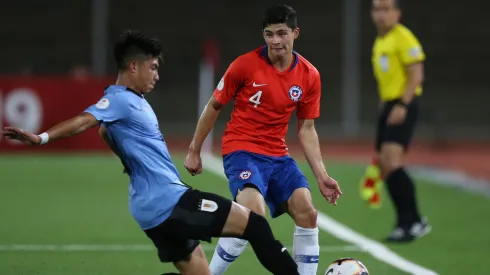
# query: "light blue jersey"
[[132, 126]]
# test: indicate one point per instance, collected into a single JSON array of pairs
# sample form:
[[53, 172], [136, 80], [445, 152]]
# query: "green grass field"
[[82, 201]]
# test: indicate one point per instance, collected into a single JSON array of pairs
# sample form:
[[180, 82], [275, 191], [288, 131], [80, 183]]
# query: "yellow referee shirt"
[[391, 54]]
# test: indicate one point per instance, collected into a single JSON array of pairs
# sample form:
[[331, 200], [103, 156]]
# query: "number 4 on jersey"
[[256, 98]]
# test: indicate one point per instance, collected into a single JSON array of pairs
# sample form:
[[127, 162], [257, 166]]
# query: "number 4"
[[256, 98]]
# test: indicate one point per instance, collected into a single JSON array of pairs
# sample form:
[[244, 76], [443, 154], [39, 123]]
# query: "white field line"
[[342, 232], [131, 247]]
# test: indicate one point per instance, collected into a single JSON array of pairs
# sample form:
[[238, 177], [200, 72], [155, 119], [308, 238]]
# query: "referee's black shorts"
[[401, 133], [197, 216]]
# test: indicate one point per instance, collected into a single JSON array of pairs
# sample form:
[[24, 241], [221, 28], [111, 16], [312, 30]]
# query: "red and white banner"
[[36, 104]]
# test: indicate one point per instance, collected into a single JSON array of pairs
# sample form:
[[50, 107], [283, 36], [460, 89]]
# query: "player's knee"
[[390, 159], [257, 228], [301, 208], [307, 217], [389, 164]]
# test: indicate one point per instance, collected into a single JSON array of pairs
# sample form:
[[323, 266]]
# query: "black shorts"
[[197, 216], [402, 133]]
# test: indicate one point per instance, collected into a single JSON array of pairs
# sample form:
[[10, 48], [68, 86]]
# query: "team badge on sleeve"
[[103, 103], [245, 175], [295, 93], [221, 84], [415, 52]]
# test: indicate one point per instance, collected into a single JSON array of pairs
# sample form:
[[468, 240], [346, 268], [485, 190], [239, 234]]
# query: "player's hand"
[[397, 115], [193, 163], [21, 135], [330, 189]]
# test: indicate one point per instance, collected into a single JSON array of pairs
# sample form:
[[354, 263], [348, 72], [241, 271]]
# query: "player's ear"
[[296, 33], [263, 35], [398, 12], [132, 66]]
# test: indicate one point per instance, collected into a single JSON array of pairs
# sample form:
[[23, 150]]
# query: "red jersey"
[[264, 101]]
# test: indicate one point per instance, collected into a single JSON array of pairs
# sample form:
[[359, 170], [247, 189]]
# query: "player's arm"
[[64, 129], [308, 110], [108, 109], [412, 56], [415, 77], [72, 127], [224, 93], [308, 139], [205, 124]]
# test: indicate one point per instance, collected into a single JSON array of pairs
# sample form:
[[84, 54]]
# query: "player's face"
[[385, 14], [280, 39], [147, 74]]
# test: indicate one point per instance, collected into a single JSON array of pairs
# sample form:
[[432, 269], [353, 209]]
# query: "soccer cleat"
[[370, 185], [415, 231]]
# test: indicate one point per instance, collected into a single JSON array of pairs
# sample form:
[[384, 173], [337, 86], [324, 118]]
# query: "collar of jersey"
[[266, 56], [390, 32], [123, 88]]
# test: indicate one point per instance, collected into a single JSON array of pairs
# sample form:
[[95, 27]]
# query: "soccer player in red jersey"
[[267, 85]]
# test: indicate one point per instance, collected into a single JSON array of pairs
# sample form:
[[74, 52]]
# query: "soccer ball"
[[347, 266]]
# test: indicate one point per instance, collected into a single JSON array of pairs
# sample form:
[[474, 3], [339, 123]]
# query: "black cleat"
[[415, 231]]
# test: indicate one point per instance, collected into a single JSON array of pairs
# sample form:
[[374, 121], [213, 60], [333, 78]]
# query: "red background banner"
[[36, 104]]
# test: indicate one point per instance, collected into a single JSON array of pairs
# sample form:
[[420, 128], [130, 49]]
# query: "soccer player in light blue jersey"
[[173, 215]]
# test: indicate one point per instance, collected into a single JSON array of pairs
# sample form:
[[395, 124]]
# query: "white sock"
[[227, 250], [306, 250]]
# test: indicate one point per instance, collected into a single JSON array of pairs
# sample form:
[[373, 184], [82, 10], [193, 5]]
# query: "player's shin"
[[306, 250], [227, 250], [270, 252]]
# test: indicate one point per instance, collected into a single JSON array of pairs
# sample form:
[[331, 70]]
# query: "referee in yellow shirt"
[[397, 61]]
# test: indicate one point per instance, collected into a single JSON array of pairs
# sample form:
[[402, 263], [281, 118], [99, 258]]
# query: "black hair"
[[397, 4], [135, 44], [280, 14]]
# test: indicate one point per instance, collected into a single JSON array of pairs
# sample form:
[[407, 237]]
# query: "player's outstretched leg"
[[230, 219], [255, 228], [201, 216], [228, 249]]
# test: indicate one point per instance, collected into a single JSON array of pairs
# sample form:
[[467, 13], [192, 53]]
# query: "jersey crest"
[[245, 175], [295, 93], [384, 62]]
